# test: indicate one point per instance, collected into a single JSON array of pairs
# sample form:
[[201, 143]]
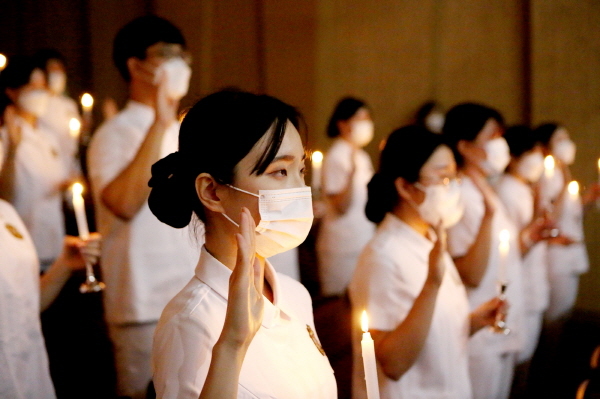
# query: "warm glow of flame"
[[598, 163], [87, 101], [504, 236], [2, 61], [573, 188], [364, 321], [77, 189], [549, 162], [317, 157], [74, 126]]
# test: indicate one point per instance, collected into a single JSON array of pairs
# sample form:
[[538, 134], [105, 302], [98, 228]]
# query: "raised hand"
[[245, 304], [14, 130], [437, 267]]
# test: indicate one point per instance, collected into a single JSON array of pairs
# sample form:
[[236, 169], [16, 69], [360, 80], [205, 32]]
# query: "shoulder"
[[295, 297]]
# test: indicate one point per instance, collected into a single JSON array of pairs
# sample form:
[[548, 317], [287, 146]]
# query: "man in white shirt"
[[144, 262]]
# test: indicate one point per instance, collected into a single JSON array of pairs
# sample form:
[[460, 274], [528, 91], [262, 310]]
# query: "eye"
[[303, 171], [279, 172]]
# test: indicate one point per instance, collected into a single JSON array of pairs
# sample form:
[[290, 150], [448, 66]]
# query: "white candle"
[[87, 103], [598, 170], [79, 207], [503, 248], [369, 362], [2, 61], [573, 189], [549, 165], [74, 127], [317, 163]]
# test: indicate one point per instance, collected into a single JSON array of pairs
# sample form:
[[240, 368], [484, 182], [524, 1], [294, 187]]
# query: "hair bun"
[[168, 200], [382, 196]]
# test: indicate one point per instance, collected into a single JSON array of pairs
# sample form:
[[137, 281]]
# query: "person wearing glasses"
[[144, 262], [405, 279]]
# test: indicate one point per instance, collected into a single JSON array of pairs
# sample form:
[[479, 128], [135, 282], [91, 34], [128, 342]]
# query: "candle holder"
[[499, 326], [91, 283]]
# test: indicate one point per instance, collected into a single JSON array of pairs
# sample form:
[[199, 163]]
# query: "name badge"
[[312, 336]]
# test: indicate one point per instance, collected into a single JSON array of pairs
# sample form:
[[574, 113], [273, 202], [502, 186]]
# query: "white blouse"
[[24, 372], [389, 277], [283, 361]]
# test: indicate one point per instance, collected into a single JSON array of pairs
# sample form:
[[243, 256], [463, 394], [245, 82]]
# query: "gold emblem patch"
[[13, 230], [315, 340]]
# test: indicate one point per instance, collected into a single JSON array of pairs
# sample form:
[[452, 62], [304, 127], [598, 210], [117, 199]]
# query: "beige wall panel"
[[481, 55], [376, 50], [566, 89]]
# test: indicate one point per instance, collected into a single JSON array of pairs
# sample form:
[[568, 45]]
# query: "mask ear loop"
[[243, 191]]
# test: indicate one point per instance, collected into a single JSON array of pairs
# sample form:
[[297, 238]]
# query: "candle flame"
[[598, 163], [504, 236], [364, 321], [74, 126], [87, 101], [317, 157], [549, 162], [2, 61], [573, 188], [77, 188]]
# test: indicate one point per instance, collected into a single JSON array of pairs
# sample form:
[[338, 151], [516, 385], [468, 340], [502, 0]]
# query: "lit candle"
[[74, 127], [573, 189], [369, 362], [503, 248], [87, 102], [549, 165], [79, 207], [598, 170], [317, 163], [2, 62]]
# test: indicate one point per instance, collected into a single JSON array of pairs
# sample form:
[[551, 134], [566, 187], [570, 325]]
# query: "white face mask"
[[286, 217], [565, 150], [362, 132], [178, 77], [34, 101], [57, 82], [442, 203], [435, 122], [531, 167], [497, 156]]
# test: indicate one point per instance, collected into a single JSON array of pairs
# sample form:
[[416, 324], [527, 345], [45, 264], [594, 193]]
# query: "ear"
[[404, 189], [343, 128], [132, 66], [462, 146], [206, 189]]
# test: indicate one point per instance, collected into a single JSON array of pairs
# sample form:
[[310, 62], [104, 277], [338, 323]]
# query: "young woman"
[[24, 369], [238, 150], [568, 259], [34, 174], [474, 132], [406, 281], [347, 169]]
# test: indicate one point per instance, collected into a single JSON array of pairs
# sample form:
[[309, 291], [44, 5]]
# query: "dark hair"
[[134, 39], [424, 111], [464, 122], [41, 58], [16, 74], [520, 139], [406, 151], [215, 135], [545, 131], [344, 110]]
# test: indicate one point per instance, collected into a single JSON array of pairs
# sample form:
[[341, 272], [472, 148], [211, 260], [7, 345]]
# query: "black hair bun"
[[168, 200], [382, 197]]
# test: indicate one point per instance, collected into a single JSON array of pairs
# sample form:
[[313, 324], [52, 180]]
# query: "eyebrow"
[[288, 158]]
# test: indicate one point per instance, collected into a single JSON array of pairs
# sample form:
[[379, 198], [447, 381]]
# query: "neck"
[[409, 215], [27, 117], [513, 172], [348, 140], [142, 93]]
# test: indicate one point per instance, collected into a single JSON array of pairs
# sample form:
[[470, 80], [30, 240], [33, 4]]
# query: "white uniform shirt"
[[24, 372], [460, 238], [282, 360], [144, 262], [570, 259], [517, 197], [349, 232], [389, 277], [61, 109], [39, 173]]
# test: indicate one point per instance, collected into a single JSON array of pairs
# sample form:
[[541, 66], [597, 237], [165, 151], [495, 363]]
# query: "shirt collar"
[[216, 275], [394, 223]]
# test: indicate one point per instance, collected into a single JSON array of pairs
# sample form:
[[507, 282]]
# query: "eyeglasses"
[[446, 181], [169, 51]]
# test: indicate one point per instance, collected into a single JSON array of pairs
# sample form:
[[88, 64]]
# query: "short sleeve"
[[336, 172], [383, 291]]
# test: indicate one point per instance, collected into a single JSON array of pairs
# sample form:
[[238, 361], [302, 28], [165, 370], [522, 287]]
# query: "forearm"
[[7, 176], [52, 282], [397, 350], [128, 192], [224, 372], [473, 264]]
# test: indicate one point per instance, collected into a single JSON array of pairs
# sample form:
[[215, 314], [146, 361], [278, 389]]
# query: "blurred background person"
[[347, 169], [474, 132], [431, 117], [144, 262], [417, 305], [61, 108], [515, 189]]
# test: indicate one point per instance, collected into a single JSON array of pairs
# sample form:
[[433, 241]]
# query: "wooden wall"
[[534, 60]]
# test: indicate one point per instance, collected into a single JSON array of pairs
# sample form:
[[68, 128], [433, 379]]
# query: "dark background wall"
[[535, 60]]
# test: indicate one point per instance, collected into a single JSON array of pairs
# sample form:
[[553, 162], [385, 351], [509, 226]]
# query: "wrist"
[[230, 349]]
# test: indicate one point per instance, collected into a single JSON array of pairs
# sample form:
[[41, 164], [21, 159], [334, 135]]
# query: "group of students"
[[189, 213]]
